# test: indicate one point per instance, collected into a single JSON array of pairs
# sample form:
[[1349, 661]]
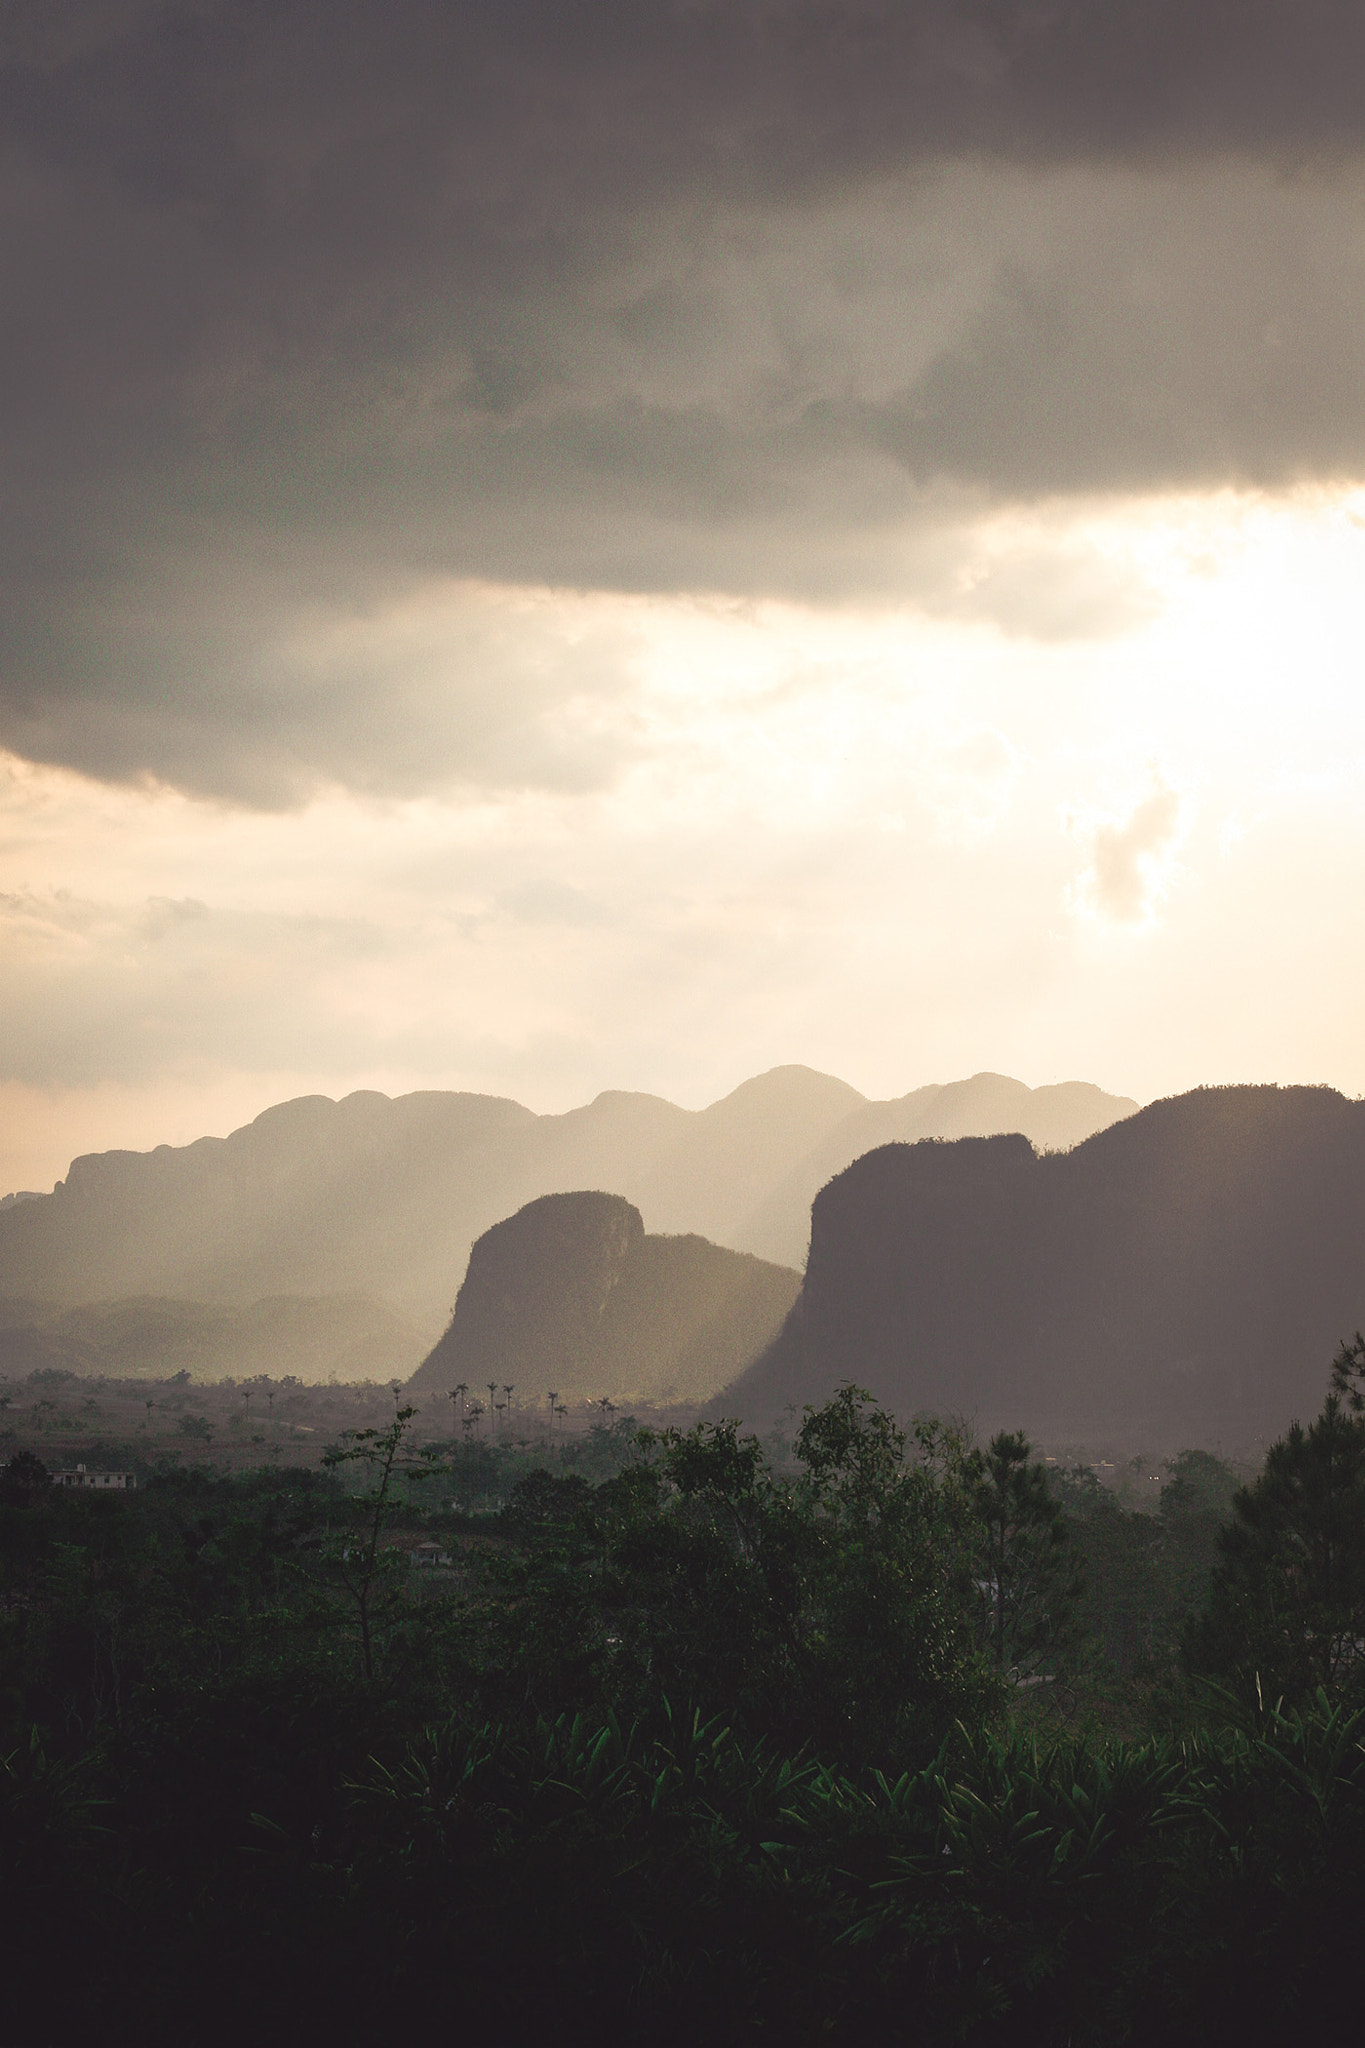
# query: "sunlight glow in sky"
[[1123, 846]]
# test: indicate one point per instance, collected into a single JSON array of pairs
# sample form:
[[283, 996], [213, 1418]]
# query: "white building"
[[124, 1482]]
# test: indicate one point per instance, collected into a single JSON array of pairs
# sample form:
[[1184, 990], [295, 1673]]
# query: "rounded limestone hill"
[[570, 1293]]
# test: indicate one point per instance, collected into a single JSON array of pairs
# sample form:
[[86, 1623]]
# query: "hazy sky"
[[554, 547]]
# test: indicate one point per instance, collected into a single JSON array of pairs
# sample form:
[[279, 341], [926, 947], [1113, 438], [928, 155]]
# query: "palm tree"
[[381, 1455], [552, 1397], [492, 1404]]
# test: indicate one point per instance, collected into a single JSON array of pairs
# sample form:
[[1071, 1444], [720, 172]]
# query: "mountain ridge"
[[385, 1196]]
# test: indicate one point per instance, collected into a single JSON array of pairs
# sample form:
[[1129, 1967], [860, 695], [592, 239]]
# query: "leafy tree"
[[833, 1606], [1198, 1488], [1031, 1580], [1121, 1607], [25, 1481], [361, 1568], [1348, 1374], [543, 1504], [1196, 1506], [890, 1656], [1286, 1609]]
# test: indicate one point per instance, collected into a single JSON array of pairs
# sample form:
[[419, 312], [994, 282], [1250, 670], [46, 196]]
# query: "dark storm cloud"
[[266, 109], [304, 304]]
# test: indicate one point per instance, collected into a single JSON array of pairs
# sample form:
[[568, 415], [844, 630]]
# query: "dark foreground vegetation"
[[887, 1739]]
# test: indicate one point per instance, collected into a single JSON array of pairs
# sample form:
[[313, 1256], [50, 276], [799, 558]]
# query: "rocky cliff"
[[1182, 1277], [570, 1293]]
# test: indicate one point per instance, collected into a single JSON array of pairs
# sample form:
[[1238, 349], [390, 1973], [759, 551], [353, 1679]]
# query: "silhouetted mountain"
[[571, 1294], [1053, 1119], [726, 1160], [385, 1197], [1184, 1276], [340, 1336]]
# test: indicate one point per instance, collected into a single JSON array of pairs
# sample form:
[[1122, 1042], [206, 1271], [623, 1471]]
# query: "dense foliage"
[[885, 1740]]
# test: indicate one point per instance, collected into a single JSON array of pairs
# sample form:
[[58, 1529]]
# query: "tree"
[[360, 1566], [1123, 1604], [1196, 1506], [1348, 1374], [1031, 1580], [25, 1480], [891, 1657], [1286, 1607], [1198, 1488], [833, 1605]]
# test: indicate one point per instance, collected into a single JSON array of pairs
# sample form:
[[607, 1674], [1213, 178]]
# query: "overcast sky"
[[548, 547]]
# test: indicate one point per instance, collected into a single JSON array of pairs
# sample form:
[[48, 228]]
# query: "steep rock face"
[[1185, 1275], [688, 1315], [570, 1293], [533, 1299]]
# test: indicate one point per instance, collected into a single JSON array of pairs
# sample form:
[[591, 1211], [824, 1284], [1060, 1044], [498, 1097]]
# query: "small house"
[[121, 1482]]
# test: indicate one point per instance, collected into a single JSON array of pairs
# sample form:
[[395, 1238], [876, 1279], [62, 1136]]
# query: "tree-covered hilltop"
[[671, 1735]]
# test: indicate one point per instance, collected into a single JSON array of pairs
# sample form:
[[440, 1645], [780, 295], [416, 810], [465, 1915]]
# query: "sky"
[[547, 548]]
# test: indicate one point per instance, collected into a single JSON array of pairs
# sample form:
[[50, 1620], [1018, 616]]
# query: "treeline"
[[691, 1745]]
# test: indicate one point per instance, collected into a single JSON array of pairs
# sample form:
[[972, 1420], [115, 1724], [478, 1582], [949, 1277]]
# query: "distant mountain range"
[[571, 1295], [1183, 1277], [383, 1198]]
